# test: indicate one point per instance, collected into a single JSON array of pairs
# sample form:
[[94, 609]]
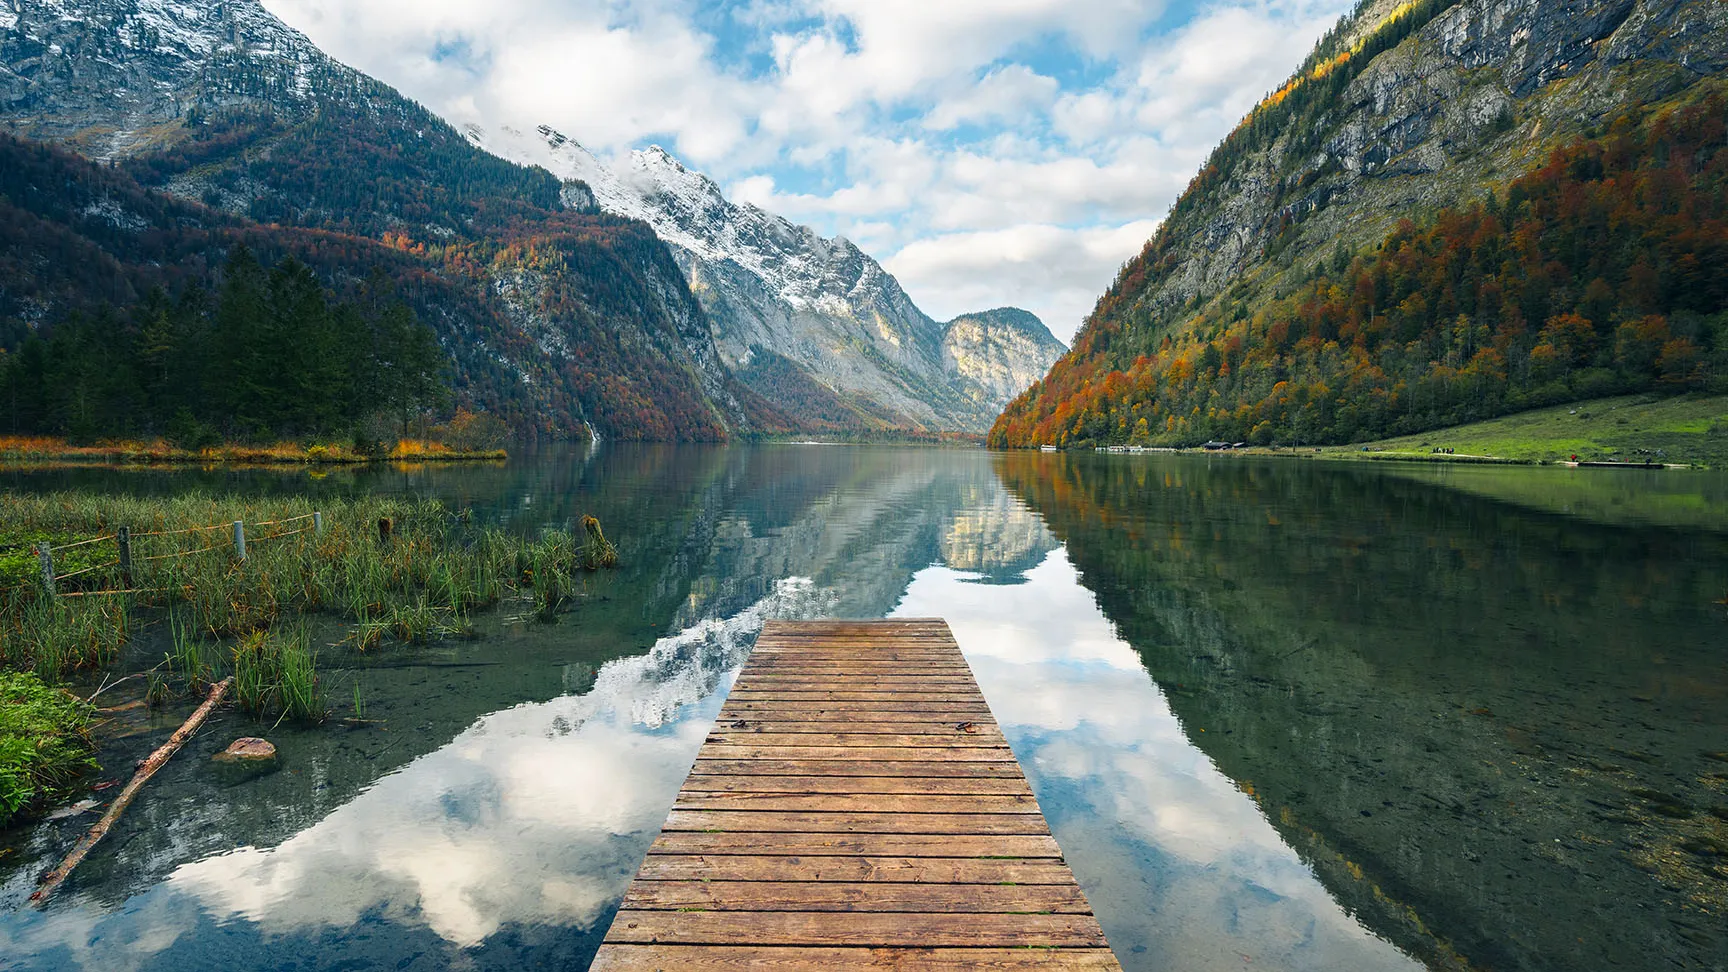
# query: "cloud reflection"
[[1180, 865], [535, 815]]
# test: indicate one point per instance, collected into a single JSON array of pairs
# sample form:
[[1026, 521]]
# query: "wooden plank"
[[944, 654], [863, 740], [945, 658], [777, 822], [831, 928], [854, 767], [863, 897], [903, 667], [764, 681], [932, 754], [769, 725], [855, 807], [852, 715], [980, 785], [908, 803], [854, 696], [758, 958], [788, 709], [926, 870], [1015, 846]]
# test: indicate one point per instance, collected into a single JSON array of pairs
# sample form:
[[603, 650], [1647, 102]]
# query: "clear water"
[[1281, 715]]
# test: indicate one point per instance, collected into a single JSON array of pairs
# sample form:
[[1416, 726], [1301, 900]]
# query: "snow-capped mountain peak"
[[771, 285]]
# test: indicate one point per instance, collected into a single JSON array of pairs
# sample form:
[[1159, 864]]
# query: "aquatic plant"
[[436, 568], [598, 551], [60, 635], [275, 674], [45, 745]]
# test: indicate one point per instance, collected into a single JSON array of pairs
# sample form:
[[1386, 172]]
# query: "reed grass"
[[275, 674], [421, 583]]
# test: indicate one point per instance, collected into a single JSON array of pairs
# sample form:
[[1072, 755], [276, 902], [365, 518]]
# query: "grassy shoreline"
[[1688, 431], [382, 572], [34, 450]]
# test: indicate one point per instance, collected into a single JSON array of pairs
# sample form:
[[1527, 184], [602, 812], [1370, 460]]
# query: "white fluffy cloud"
[[1049, 270], [988, 151]]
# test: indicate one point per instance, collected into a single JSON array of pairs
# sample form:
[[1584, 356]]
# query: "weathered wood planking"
[[855, 807]]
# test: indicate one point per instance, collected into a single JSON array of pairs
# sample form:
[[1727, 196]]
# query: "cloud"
[[1056, 272], [1005, 94], [933, 133]]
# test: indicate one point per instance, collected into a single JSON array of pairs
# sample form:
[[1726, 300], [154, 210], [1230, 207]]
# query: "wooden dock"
[[856, 807]]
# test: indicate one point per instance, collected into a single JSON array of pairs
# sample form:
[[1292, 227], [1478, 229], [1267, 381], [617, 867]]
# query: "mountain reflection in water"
[[1495, 731], [1374, 703]]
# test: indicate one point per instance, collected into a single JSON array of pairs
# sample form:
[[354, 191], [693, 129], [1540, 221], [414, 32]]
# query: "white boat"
[[1046, 448]]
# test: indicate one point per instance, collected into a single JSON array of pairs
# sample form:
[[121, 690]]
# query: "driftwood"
[[157, 760]]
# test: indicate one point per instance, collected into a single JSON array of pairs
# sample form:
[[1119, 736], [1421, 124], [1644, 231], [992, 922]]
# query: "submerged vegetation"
[[374, 571]]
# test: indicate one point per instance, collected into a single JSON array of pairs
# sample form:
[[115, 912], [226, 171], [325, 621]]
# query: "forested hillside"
[[550, 323], [217, 124], [1365, 256], [267, 355], [1603, 272]]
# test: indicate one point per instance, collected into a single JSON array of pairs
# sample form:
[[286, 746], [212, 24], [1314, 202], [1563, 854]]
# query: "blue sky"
[[988, 153]]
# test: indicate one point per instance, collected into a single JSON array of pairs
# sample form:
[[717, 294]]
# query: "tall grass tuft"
[[598, 551], [275, 674]]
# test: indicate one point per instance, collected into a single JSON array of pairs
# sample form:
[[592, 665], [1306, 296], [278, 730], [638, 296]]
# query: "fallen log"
[[157, 760]]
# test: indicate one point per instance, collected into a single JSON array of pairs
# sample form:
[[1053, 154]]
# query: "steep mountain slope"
[[1351, 261], [785, 301], [1002, 350], [224, 104], [76, 236]]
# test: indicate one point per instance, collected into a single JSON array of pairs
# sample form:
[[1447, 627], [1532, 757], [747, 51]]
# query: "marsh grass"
[[598, 551], [275, 674], [45, 745], [420, 585]]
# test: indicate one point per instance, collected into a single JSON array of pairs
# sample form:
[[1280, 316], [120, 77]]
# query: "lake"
[[1281, 713]]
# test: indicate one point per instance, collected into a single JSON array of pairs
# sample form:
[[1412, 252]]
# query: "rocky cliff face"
[[1407, 111], [1474, 97], [117, 77], [1002, 351], [777, 290]]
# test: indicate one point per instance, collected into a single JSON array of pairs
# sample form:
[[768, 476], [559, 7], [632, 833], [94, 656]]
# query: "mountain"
[[1002, 350], [806, 321], [1454, 209], [221, 120]]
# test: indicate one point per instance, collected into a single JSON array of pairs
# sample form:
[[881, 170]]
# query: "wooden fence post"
[[240, 539], [317, 523], [46, 558], [124, 536]]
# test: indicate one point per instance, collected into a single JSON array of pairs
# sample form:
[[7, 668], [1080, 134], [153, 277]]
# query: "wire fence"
[[51, 578]]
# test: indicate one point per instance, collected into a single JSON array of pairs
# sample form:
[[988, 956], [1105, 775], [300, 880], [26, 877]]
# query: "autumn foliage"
[[1603, 271]]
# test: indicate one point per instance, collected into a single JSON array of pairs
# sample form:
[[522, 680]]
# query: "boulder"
[[249, 749]]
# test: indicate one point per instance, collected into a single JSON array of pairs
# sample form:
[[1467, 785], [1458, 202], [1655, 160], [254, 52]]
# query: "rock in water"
[[248, 750]]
